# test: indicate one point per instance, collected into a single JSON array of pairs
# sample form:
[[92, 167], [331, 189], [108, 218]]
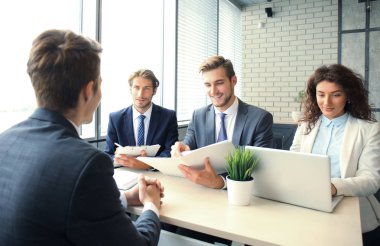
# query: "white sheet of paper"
[[125, 179], [216, 152], [151, 150]]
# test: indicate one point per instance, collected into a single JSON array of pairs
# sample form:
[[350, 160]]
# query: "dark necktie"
[[222, 132], [140, 130]]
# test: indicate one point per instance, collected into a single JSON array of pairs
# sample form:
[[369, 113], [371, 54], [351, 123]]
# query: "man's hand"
[[206, 177], [177, 148], [147, 190], [131, 161]]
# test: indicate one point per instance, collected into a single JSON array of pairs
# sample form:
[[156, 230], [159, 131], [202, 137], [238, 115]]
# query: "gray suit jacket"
[[56, 189], [253, 127]]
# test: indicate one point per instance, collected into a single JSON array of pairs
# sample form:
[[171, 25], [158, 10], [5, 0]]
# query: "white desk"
[[264, 222]]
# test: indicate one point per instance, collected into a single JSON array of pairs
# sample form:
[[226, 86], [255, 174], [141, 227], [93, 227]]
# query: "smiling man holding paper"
[[227, 118], [142, 123]]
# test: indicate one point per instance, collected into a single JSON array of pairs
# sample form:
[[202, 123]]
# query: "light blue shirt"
[[329, 140]]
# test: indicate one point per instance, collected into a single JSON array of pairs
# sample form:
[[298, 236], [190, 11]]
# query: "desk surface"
[[264, 222]]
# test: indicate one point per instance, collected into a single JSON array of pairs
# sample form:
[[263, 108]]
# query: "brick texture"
[[278, 58]]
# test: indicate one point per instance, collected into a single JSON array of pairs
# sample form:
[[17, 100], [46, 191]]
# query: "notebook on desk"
[[301, 179]]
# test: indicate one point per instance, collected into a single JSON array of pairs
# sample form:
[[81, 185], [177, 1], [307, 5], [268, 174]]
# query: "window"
[[205, 28], [132, 38], [197, 40], [20, 22], [134, 35]]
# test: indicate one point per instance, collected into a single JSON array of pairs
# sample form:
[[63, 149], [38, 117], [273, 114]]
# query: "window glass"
[[230, 37], [20, 22], [131, 38], [197, 40]]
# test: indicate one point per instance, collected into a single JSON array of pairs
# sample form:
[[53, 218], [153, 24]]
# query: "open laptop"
[[301, 179]]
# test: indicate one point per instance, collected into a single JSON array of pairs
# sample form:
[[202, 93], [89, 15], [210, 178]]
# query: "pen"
[[118, 145]]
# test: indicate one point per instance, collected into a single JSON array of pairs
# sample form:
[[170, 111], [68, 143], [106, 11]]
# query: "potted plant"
[[240, 165], [296, 115]]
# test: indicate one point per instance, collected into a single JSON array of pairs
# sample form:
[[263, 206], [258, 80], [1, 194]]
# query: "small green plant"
[[241, 163], [299, 98]]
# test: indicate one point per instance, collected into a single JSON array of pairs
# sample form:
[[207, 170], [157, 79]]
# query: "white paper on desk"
[[216, 152], [125, 179]]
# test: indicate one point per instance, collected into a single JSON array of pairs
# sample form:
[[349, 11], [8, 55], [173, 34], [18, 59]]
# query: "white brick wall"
[[278, 59]]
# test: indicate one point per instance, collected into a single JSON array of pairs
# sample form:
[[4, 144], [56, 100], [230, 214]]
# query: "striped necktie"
[[140, 130]]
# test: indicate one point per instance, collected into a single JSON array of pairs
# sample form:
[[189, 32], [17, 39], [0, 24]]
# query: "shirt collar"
[[231, 110], [77, 128], [147, 113], [336, 121]]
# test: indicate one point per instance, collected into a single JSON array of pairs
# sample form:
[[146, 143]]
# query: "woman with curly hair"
[[338, 122]]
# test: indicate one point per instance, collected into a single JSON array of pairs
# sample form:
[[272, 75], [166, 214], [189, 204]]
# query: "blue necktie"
[[140, 130], [222, 132]]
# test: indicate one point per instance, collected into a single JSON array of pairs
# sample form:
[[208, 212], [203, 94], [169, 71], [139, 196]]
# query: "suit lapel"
[[241, 118], [155, 118], [350, 137], [210, 125], [128, 127], [309, 140]]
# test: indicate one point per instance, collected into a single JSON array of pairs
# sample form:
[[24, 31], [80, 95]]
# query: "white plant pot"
[[239, 192]]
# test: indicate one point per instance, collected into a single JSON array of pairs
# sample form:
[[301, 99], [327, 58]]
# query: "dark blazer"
[[56, 189], [163, 130], [253, 127]]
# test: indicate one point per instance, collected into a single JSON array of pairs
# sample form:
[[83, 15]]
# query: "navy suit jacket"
[[56, 189], [163, 130], [253, 127]]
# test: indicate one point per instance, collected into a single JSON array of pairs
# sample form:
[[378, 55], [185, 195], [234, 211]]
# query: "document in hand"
[[216, 152], [151, 150]]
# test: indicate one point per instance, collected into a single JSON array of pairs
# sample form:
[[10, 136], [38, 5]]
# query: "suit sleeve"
[[171, 135], [366, 180], [263, 136], [190, 138], [96, 216], [111, 138]]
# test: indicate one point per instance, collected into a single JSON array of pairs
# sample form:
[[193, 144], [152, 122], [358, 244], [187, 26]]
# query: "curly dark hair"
[[352, 84]]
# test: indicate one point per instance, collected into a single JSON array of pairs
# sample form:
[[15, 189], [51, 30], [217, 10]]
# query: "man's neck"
[[228, 105]]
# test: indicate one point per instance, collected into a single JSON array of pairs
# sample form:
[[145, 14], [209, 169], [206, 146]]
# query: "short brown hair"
[[60, 64], [215, 62], [146, 74]]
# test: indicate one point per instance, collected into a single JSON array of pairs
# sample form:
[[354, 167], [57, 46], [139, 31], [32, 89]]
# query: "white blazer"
[[359, 164]]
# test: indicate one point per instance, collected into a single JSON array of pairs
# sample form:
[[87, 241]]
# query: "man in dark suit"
[[55, 188], [243, 124], [159, 124]]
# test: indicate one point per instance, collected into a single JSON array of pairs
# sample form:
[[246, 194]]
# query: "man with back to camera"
[[55, 188], [243, 124], [159, 124]]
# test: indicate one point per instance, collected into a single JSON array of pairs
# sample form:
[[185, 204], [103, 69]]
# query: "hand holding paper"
[[195, 158], [126, 156]]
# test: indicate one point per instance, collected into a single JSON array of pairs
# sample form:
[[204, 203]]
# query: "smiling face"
[[331, 99], [142, 93], [219, 88]]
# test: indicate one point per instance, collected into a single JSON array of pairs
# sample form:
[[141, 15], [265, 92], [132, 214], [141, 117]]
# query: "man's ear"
[[88, 90], [234, 79]]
